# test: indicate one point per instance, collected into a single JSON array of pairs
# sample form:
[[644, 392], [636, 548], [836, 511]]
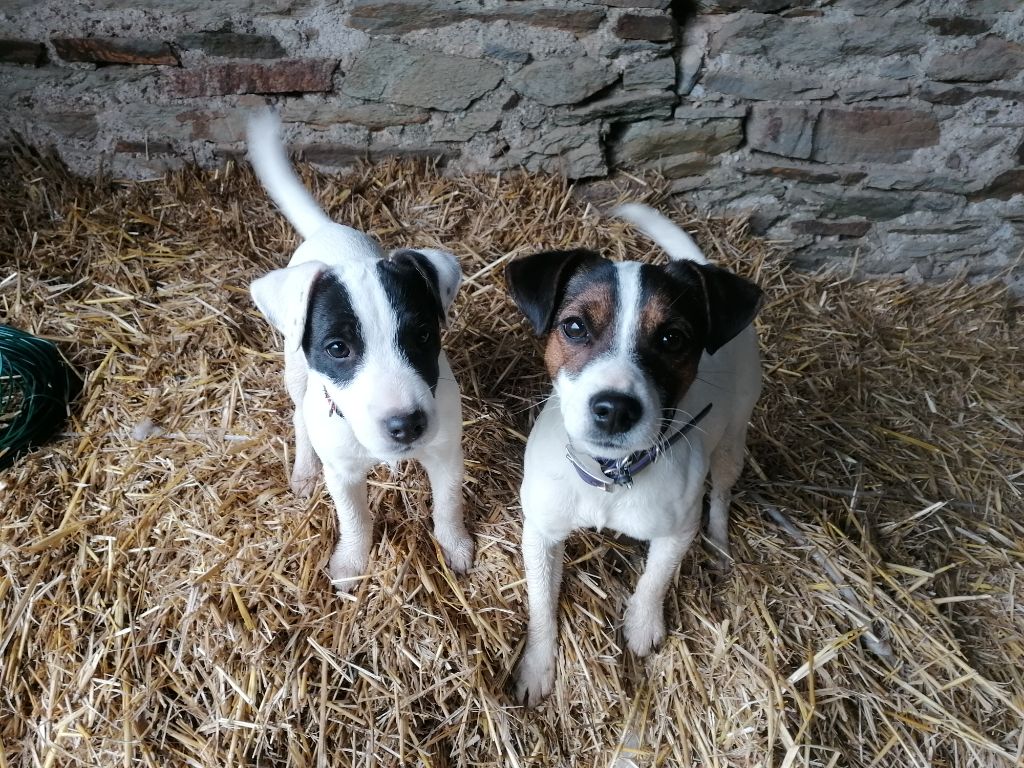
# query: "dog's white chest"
[[653, 506]]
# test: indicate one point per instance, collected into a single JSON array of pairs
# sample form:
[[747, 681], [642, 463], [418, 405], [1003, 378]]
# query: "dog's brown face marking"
[[665, 337], [584, 326], [670, 332]]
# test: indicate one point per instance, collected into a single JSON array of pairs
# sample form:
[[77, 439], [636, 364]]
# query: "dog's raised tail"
[[268, 158], [677, 244]]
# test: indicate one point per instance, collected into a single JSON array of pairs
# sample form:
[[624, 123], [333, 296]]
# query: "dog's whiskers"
[[667, 422]]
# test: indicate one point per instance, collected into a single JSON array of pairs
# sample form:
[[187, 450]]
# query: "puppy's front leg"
[[355, 529], [307, 464], [446, 471], [542, 556], [644, 626]]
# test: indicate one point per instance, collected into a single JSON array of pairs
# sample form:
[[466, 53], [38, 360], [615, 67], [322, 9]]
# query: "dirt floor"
[[164, 598]]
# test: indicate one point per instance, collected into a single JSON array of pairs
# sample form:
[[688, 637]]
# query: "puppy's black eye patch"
[[333, 340], [417, 314]]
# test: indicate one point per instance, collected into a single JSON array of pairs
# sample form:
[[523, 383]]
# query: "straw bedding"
[[164, 598]]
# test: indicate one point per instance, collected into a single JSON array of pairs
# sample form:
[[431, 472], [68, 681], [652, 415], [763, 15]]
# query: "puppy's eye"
[[574, 328], [671, 340], [338, 349]]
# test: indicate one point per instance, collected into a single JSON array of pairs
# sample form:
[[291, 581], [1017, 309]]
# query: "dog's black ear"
[[537, 283], [438, 269], [730, 302]]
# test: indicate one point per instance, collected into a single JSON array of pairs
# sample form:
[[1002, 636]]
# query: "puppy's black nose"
[[614, 412], [407, 427]]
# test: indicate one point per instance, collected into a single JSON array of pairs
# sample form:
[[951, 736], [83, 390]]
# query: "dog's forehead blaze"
[[592, 297]]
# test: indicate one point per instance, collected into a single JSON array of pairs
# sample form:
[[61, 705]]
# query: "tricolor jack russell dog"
[[656, 371], [363, 362]]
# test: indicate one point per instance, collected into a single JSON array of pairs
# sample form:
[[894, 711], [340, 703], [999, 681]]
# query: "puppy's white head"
[[369, 325], [626, 338], [370, 329]]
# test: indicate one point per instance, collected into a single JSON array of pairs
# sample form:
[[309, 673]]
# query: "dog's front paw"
[[457, 547], [644, 627], [535, 676], [345, 572]]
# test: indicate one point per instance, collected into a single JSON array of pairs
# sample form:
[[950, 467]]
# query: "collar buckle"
[[612, 473]]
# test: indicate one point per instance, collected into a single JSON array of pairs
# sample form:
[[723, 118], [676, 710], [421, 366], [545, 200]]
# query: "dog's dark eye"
[[574, 328], [338, 350], [671, 340]]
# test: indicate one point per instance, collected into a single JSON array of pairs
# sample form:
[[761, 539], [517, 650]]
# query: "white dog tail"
[[268, 158], [677, 244]]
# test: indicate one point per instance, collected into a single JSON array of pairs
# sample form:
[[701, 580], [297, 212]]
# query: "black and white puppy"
[[363, 362], [656, 370]]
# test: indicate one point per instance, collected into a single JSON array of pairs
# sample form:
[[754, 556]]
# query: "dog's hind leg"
[[307, 463], [445, 470], [726, 465]]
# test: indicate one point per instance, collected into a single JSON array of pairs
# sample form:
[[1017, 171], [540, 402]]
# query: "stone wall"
[[887, 134]]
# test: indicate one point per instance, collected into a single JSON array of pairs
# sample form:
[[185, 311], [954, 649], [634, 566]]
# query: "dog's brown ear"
[[537, 283], [730, 302], [283, 297]]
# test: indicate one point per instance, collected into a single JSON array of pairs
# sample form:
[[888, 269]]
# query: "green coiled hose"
[[36, 387]]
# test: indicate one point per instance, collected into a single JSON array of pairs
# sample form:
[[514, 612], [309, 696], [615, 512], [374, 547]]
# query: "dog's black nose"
[[615, 412], [407, 427]]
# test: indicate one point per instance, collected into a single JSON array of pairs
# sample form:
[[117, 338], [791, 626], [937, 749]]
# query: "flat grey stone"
[[759, 88], [416, 77], [396, 17], [562, 80], [656, 73], [464, 127], [874, 135], [72, 124], [868, 88], [630, 105], [923, 181], [992, 58], [787, 131], [575, 152], [649, 141], [816, 42], [340, 109]]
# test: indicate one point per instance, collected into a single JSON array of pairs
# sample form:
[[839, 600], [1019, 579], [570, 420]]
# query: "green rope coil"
[[36, 386]]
